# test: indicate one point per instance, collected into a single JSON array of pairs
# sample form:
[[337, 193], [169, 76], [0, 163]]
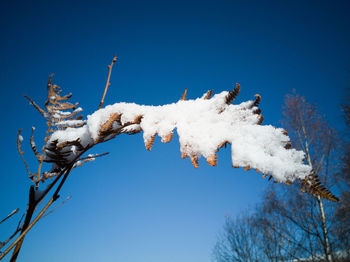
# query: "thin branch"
[[40, 110], [18, 229], [93, 156], [9, 239], [31, 209], [10, 215], [19, 143], [183, 97], [107, 83], [18, 242], [20, 238], [64, 201]]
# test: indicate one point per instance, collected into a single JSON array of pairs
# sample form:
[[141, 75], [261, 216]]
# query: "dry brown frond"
[[223, 144], [212, 160], [257, 111], [63, 98], [313, 185], [208, 95], [257, 100], [194, 160], [288, 145], [167, 138], [107, 126], [233, 94], [246, 168], [138, 119], [149, 142], [288, 183]]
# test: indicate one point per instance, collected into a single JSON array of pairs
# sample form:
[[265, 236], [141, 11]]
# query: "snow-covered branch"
[[203, 125]]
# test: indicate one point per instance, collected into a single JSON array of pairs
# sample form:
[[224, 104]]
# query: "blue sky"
[[140, 206]]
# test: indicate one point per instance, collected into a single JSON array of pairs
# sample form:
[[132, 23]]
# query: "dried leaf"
[[212, 160], [149, 142]]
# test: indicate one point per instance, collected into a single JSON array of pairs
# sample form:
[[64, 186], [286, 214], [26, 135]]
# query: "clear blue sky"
[[135, 205]]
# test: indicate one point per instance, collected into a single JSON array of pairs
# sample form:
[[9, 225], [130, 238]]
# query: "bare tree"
[[310, 133], [238, 241], [342, 231]]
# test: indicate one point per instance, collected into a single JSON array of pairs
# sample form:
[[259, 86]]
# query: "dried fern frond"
[[212, 160], [312, 185], [58, 116], [233, 94], [208, 95], [120, 118], [167, 138], [149, 142]]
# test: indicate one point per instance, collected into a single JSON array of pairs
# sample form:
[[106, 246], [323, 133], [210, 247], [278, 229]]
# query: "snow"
[[32, 143], [202, 125], [79, 109], [73, 149], [72, 134], [66, 113], [70, 122], [59, 112]]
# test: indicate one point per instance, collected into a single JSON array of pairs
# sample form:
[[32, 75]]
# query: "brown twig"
[[10, 215], [40, 110], [93, 156], [9, 239], [21, 152], [183, 97], [83, 160], [64, 201], [18, 229], [107, 83], [19, 239]]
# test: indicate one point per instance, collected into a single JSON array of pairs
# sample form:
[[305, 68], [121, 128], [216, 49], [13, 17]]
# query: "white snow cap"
[[202, 125]]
